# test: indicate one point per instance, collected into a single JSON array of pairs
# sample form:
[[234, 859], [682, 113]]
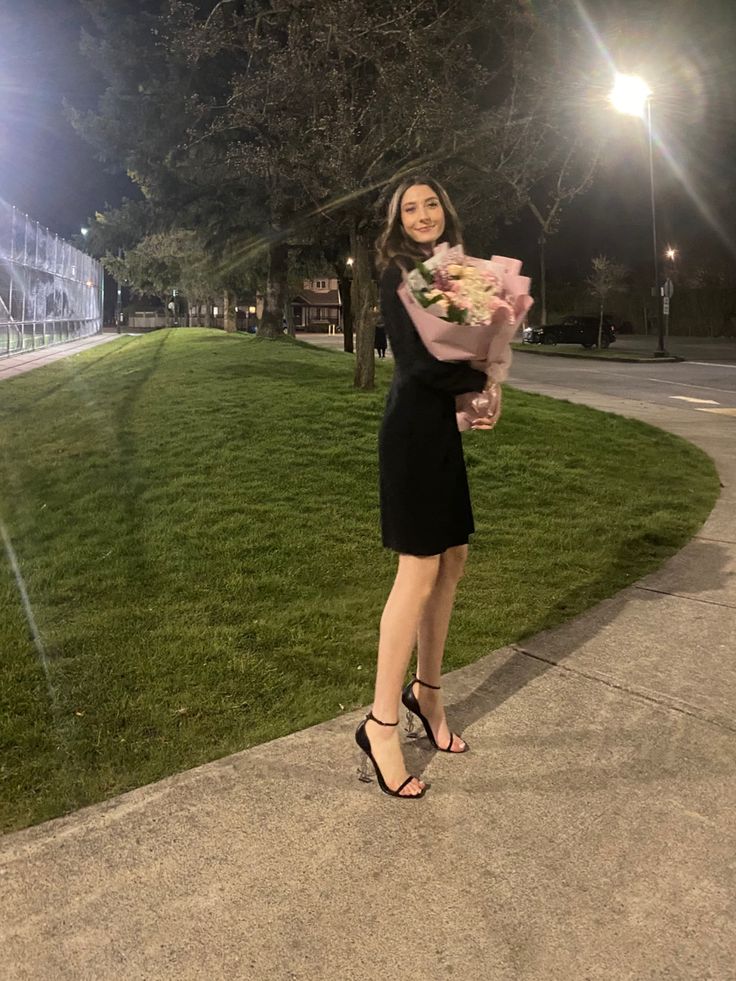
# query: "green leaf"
[[422, 269], [455, 315]]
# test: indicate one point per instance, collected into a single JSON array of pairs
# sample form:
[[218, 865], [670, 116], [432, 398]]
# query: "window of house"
[[320, 284]]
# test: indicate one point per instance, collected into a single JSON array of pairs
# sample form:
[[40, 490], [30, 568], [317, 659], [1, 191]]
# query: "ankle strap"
[[425, 685], [372, 717]]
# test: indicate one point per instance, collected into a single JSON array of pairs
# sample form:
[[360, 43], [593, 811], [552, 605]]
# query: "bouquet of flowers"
[[468, 309]]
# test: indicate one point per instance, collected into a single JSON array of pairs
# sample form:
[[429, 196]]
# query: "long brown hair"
[[394, 244]]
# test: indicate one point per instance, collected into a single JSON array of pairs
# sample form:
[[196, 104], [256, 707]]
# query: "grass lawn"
[[195, 519]]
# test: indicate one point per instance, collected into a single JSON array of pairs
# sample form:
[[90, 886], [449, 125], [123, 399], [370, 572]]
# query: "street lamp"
[[632, 96], [671, 254]]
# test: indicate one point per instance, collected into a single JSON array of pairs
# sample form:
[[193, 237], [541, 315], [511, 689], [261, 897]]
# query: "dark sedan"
[[573, 330]]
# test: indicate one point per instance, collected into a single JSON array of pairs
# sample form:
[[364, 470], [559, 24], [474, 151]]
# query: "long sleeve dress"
[[425, 501]]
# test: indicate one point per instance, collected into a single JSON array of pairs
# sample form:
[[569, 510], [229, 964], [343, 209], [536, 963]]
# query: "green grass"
[[195, 518]]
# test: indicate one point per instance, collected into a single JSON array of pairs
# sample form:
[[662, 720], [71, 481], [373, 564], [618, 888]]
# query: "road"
[[706, 382], [691, 386]]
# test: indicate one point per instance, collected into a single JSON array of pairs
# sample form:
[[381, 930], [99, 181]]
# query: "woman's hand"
[[488, 406], [483, 423]]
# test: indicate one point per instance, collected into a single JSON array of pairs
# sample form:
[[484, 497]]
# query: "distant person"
[[381, 342], [426, 516]]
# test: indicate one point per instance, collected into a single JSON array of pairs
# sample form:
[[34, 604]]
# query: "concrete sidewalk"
[[589, 834], [19, 364]]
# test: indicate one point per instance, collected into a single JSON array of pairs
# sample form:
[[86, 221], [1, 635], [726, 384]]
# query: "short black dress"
[[425, 501]]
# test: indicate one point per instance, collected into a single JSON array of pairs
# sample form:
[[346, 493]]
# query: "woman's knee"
[[452, 563], [419, 572]]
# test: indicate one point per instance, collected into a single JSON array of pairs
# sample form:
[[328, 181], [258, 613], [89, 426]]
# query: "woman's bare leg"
[[415, 580], [431, 637]]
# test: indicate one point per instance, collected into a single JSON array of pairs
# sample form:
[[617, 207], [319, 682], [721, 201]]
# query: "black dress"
[[425, 501]]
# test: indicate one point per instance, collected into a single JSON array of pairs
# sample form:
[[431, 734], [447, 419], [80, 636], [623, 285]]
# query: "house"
[[318, 306]]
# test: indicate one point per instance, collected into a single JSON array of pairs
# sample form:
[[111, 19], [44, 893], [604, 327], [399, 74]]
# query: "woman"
[[380, 341], [425, 505]]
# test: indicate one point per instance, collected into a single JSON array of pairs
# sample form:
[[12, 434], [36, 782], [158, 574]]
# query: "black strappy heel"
[[361, 738], [411, 702]]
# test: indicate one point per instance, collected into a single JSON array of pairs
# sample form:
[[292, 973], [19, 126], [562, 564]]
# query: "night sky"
[[684, 48], [45, 168]]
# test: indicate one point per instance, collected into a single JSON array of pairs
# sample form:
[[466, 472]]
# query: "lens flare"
[[636, 106]]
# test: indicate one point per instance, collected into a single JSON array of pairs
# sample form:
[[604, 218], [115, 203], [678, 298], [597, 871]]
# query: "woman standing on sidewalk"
[[426, 514]]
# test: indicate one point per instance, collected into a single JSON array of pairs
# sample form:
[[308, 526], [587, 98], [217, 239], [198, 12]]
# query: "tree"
[[279, 123], [607, 277], [573, 174], [157, 263], [548, 152], [330, 102], [140, 124]]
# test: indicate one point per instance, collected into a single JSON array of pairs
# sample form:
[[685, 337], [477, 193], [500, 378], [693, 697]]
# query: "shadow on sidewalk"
[[705, 573]]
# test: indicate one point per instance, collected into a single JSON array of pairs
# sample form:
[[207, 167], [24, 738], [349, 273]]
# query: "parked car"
[[573, 330]]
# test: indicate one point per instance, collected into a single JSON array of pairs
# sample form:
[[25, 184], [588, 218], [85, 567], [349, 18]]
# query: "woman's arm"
[[410, 354]]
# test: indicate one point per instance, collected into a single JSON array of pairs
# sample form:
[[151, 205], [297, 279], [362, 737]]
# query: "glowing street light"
[[84, 231], [671, 254], [632, 96]]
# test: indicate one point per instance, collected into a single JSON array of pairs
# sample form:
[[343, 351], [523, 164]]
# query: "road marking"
[[711, 364], [719, 412], [687, 398], [703, 388]]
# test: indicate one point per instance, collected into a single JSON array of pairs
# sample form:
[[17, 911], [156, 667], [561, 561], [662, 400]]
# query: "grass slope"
[[195, 519]]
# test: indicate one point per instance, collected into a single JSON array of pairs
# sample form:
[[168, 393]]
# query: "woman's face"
[[422, 215]]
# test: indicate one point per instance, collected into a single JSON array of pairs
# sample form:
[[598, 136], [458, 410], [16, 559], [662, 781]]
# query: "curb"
[[528, 349]]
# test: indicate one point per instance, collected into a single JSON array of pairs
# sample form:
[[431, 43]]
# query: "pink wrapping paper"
[[487, 347]]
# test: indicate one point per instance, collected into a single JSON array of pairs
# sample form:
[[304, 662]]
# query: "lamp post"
[[119, 300], [668, 289], [346, 304], [632, 96]]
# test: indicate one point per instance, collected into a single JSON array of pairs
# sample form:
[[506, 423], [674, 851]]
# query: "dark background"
[[684, 49]]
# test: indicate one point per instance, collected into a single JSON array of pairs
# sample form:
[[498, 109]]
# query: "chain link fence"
[[50, 292]]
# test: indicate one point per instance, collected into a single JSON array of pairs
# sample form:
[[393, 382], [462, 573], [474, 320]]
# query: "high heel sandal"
[[411, 702], [361, 738]]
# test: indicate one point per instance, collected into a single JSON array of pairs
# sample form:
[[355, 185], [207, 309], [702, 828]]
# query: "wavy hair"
[[393, 244]]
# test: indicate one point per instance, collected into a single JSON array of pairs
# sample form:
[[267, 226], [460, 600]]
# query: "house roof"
[[318, 298]]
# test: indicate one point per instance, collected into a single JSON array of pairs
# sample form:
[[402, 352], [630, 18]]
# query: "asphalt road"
[[692, 386], [705, 382]]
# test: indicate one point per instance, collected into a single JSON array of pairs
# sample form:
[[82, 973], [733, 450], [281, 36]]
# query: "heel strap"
[[424, 684], [372, 717]]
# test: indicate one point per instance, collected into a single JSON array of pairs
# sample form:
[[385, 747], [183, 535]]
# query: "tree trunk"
[[543, 277], [346, 286], [600, 326], [228, 310], [289, 316], [208, 312], [271, 324], [363, 304]]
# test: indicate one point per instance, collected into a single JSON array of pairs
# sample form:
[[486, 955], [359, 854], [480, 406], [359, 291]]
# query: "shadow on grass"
[[72, 371], [131, 485]]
